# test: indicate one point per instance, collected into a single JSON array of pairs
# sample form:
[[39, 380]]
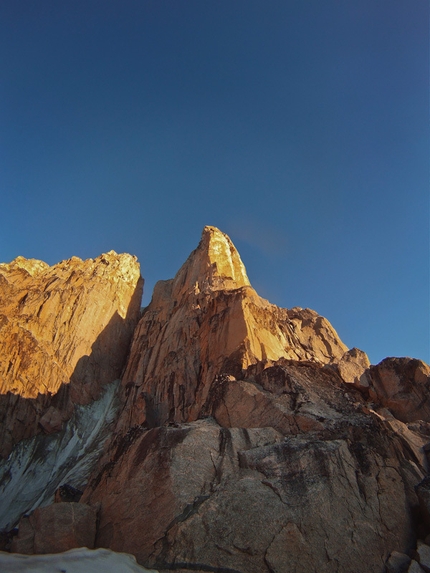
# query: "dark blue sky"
[[299, 127]]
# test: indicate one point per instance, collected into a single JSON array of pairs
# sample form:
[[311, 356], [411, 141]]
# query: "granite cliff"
[[242, 438]]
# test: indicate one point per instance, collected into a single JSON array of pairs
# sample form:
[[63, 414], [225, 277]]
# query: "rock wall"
[[252, 440], [290, 473], [206, 321], [65, 332], [248, 438]]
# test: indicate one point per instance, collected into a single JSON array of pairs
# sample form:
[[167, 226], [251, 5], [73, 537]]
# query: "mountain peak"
[[214, 265]]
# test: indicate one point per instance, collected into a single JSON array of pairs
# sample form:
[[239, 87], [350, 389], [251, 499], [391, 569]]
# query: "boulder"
[[401, 385], [56, 528], [398, 563], [352, 368]]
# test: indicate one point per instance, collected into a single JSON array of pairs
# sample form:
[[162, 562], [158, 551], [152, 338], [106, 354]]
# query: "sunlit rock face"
[[64, 333], [206, 321], [247, 437]]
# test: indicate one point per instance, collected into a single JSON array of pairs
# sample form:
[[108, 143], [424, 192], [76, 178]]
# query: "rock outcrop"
[[249, 439], [64, 333], [252, 440], [402, 385], [290, 474], [56, 528], [206, 321]]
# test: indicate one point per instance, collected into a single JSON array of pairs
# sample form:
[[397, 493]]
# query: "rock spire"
[[209, 320]]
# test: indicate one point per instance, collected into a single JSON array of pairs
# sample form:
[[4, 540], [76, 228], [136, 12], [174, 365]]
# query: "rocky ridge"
[[248, 438], [64, 333]]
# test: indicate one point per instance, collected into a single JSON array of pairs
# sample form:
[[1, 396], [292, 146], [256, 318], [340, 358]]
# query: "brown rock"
[[201, 496], [64, 333], [292, 397], [402, 385], [352, 367], [56, 528], [206, 321]]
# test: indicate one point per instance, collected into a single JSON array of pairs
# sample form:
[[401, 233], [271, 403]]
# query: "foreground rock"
[[56, 528], [64, 334], [202, 496]]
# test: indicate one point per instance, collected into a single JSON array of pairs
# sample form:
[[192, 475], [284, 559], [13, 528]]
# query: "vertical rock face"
[[209, 320], [249, 439], [64, 334], [252, 440]]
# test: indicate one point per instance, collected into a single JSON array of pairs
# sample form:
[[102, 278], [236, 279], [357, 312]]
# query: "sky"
[[298, 127]]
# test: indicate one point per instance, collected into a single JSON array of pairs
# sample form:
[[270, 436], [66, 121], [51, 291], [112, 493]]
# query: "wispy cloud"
[[268, 239]]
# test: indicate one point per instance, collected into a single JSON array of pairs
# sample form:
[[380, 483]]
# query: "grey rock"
[[414, 567], [423, 552], [248, 500], [398, 563]]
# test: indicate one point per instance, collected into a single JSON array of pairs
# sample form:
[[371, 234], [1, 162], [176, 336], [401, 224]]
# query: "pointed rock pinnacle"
[[214, 265]]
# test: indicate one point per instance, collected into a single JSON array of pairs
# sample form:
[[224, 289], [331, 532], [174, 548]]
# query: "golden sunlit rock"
[[71, 322], [209, 320]]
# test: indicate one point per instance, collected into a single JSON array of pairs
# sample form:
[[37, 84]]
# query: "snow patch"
[[38, 466], [80, 560]]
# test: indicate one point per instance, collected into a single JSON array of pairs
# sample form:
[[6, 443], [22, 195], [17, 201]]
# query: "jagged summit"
[[110, 266], [69, 322], [215, 265], [209, 320], [33, 267], [243, 437]]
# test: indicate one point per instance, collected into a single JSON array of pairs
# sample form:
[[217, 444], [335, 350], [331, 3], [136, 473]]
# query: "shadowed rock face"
[[249, 500], [64, 333]]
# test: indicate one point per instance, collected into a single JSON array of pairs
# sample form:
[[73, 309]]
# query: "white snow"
[[38, 466], [80, 560]]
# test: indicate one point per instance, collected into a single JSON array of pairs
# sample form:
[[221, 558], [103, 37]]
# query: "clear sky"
[[299, 127]]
